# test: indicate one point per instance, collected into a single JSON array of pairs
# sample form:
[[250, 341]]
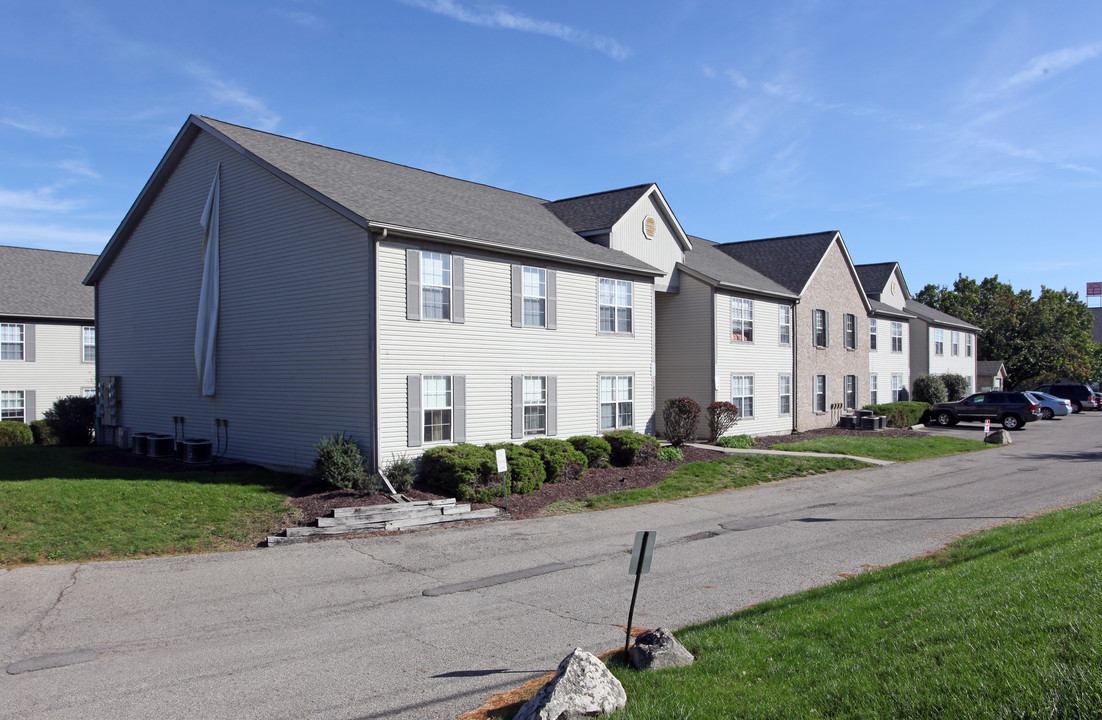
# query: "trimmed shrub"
[[736, 441], [14, 433], [399, 471], [526, 472], [901, 414], [956, 386], [73, 419], [597, 451], [679, 417], [458, 469], [632, 448], [340, 463], [370, 484], [561, 461], [670, 454], [43, 434], [722, 416], [929, 389]]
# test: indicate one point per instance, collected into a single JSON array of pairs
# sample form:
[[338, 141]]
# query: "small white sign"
[[502, 466], [987, 427]]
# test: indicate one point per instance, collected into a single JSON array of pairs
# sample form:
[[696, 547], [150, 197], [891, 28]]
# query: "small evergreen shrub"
[[929, 389], [597, 451], [43, 434], [670, 454], [561, 462], [901, 414], [370, 484], [340, 463], [632, 448], [526, 472], [679, 417], [736, 441], [14, 433], [722, 416], [399, 471], [458, 469], [956, 386], [73, 419]]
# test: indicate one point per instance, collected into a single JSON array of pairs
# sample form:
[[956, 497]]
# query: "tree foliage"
[[1038, 339]]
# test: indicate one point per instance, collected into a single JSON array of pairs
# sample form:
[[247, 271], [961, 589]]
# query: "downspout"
[[375, 455], [795, 364]]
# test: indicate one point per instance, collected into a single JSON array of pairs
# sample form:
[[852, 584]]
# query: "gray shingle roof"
[[988, 367], [597, 211], [707, 259], [874, 276], [789, 261], [879, 308], [936, 317], [390, 194], [45, 284]]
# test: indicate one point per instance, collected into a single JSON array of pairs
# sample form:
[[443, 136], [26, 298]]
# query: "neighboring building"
[[941, 343], [889, 331], [47, 330], [990, 375], [1096, 328]]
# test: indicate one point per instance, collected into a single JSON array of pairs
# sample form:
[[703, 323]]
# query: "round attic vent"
[[649, 227]]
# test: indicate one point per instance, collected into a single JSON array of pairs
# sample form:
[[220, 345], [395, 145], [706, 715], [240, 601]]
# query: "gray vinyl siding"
[[295, 338], [663, 252], [56, 371], [685, 353], [489, 351]]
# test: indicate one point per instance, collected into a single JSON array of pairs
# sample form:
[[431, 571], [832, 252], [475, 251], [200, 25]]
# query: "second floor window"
[[820, 328], [897, 337], [939, 341], [742, 320], [11, 341], [872, 334], [89, 344], [850, 322], [968, 345], [615, 302], [534, 288], [955, 349], [436, 285], [785, 330]]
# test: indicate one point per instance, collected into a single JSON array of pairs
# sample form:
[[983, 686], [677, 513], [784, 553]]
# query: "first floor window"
[[437, 405], [535, 405], [88, 392], [436, 285], [742, 395], [897, 387], [742, 320], [851, 392], [872, 389], [534, 289], [11, 341], [785, 329], [955, 349], [615, 306], [849, 323], [897, 337], [89, 342], [786, 395], [872, 333], [12, 405], [820, 393], [616, 402], [939, 341]]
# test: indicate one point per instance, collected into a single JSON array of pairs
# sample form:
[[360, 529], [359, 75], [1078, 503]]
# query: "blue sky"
[[952, 137]]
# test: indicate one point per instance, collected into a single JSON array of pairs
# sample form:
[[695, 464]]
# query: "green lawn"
[[57, 506], [1003, 624], [887, 448], [704, 478]]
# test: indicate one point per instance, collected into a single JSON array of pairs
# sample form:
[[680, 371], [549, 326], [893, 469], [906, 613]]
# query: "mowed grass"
[[704, 478], [55, 506], [887, 448], [1003, 624]]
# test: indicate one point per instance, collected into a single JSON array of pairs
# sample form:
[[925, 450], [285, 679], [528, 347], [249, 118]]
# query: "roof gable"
[[45, 284], [707, 260], [790, 261]]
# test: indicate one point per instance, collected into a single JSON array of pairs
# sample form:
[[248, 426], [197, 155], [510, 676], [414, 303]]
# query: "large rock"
[[999, 437], [658, 649], [582, 687]]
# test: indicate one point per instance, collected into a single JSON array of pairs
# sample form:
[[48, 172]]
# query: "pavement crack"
[[37, 627], [388, 563], [561, 616]]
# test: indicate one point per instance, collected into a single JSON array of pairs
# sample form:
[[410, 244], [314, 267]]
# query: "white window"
[[785, 394], [534, 289], [872, 333], [939, 341], [436, 402], [88, 334], [850, 394], [897, 387], [742, 395], [849, 323], [872, 388], [897, 337], [820, 328], [436, 285], [968, 345], [535, 405], [88, 392], [955, 347], [742, 320], [820, 393], [616, 402], [11, 341], [785, 330], [11, 405], [615, 305]]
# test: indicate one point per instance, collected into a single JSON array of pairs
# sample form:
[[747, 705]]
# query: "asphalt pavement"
[[429, 624]]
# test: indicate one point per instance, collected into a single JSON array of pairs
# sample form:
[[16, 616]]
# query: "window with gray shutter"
[[413, 284], [459, 408], [414, 419], [458, 304], [518, 406], [552, 405], [516, 294]]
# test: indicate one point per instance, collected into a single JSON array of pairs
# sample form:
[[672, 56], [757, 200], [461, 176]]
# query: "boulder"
[[582, 687], [999, 437], [658, 649]]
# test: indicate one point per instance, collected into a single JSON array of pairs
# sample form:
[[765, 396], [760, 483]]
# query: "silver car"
[[1051, 406]]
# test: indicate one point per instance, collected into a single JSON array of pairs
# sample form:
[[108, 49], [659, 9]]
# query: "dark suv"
[[1010, 409], [1081, 396]]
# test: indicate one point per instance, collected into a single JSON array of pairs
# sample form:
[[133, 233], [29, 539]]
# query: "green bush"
[[370, 484], [929, 389], [597, 451], [73, 419], [956, 385], [736, 441], [561, 461], [13, 433], [399, 471], [679, 418], [902, 414], [458, 469], [43, 434], [670, 454], [632, 448], [340, 463], [722, 416], [526, 473]]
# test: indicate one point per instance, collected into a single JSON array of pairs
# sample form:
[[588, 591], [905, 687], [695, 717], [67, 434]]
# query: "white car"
[[1051, 406]]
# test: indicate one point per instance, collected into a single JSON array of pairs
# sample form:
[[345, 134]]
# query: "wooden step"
[[485, 514], [440, 515], [371, 509], [392, 513]]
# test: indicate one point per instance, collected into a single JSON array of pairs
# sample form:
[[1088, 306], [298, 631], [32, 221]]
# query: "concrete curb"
[[755, 451]]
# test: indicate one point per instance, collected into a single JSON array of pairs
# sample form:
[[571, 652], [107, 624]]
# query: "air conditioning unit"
[[139, 443], [195, 450], [159, 445]]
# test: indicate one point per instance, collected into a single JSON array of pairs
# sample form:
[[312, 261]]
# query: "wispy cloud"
[[42, 199], [227, 92], [1051, 64], [503, 18], [302, 19], [78, 167], [34, 125]]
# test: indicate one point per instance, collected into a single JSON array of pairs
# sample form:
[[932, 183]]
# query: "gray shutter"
[[458, 315], [414, 421], [459, 408], [518, 406], [517, 296], [30, 412], [552, 302], [826, 328], [552, 405], [413, 284], [28, 342], [814, 337]]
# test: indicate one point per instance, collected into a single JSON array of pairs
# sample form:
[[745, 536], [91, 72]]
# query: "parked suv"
[[1010, 409], [1081, 396]]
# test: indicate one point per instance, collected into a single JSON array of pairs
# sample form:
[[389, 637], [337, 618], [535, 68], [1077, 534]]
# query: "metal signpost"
[[987, 427], [640, 563], [503, 468]]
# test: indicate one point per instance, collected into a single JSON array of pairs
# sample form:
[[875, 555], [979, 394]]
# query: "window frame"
[[744, 397], [872, 334], [849, 331], [820, 328], [526, 405], [784, 325], [818, 394], [616, 402], [446, 288], [784, 399], [744, 317], [849, 392], [954, 343], [874, 388], [426, 409], [615, 306], [897, 387], [897, 336], [7, 342], [939, 342], [540, 299], [968, 345], [9, 397], [84, 346]]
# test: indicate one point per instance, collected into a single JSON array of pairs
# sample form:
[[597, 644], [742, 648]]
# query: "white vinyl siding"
[[950, 362], [52, 367], [662, 252], [885, 364]]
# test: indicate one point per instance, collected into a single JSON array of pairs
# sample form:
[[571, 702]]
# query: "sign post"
[[640, 563], [503, 469], [987, 427]]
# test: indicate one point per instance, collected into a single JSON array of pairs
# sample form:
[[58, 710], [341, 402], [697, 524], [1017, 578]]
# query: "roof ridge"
[[780, 237], [601, 192], [66, 252]]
